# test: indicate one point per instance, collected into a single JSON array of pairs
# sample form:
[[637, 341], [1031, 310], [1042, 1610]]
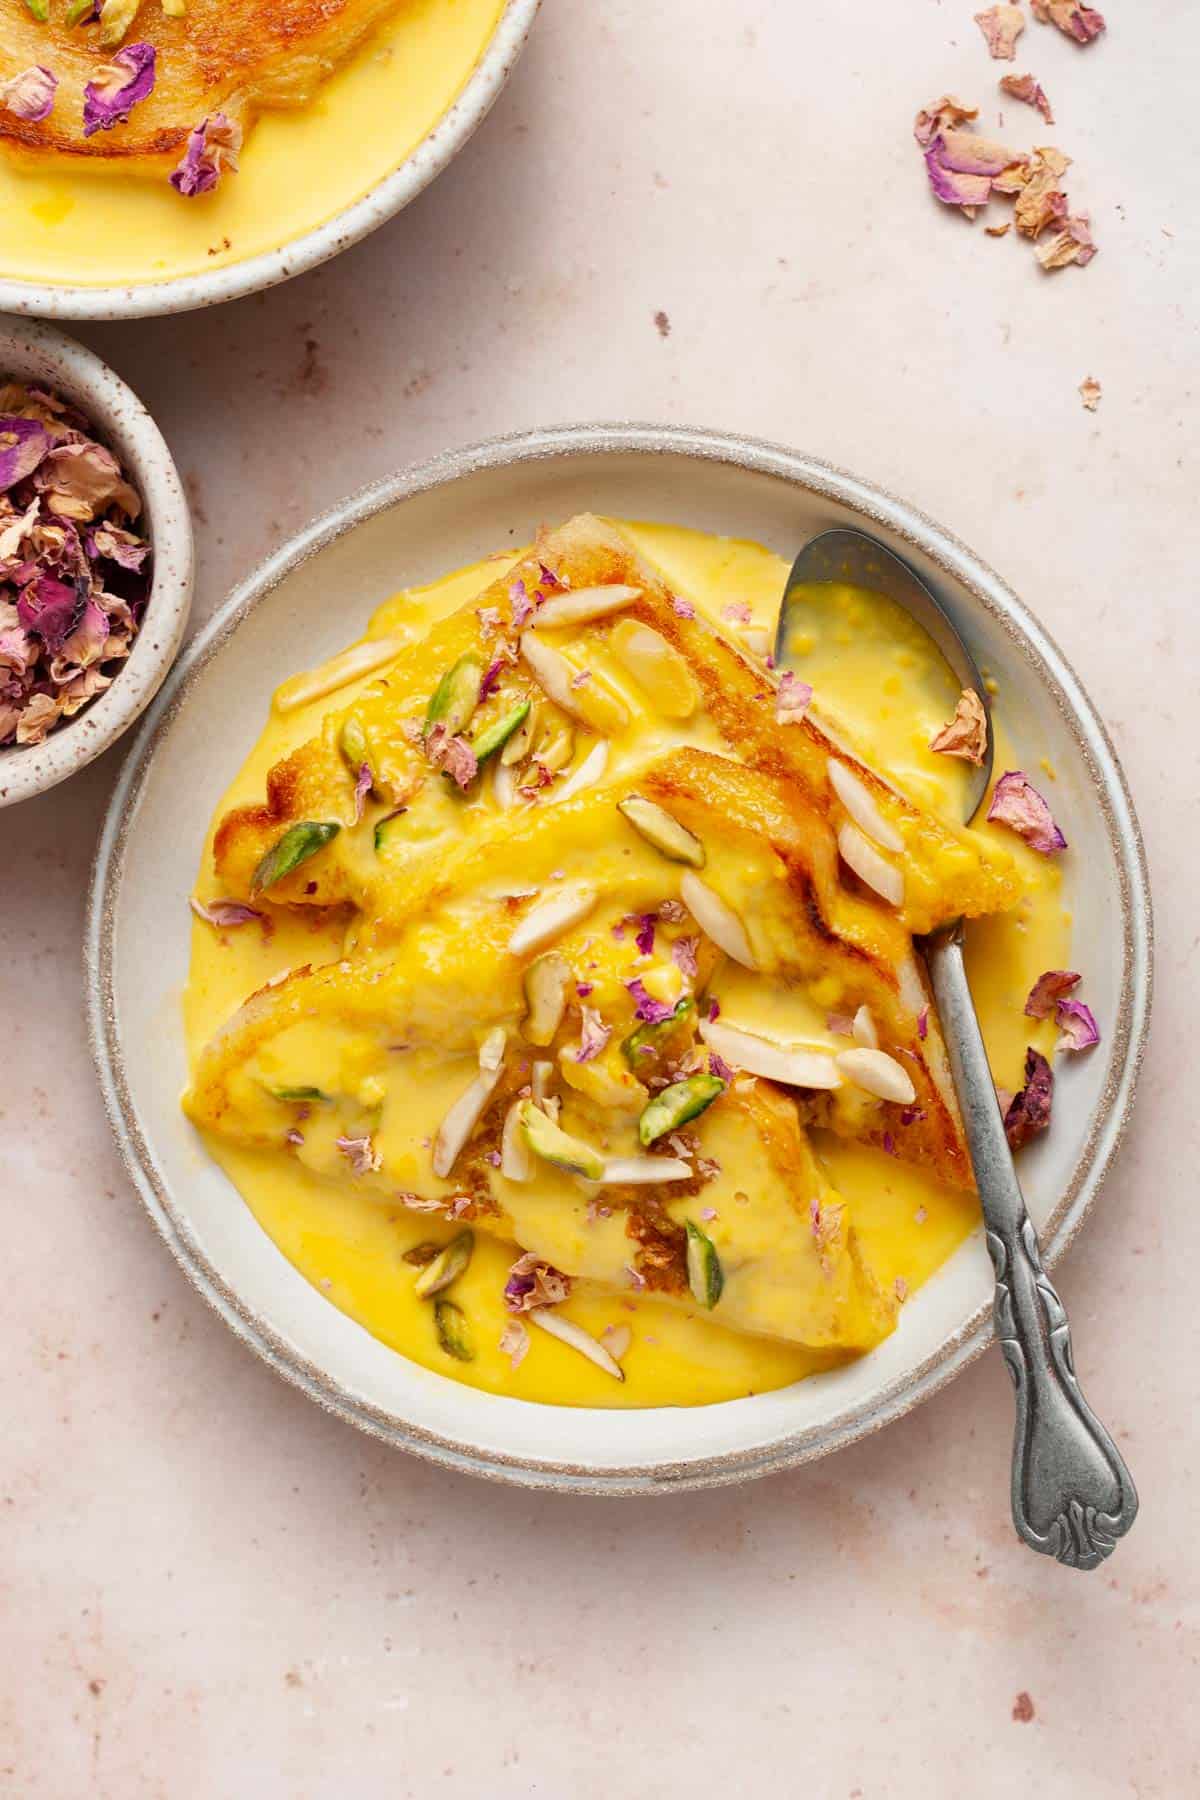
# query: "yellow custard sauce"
[[297, 169], [890, 692]]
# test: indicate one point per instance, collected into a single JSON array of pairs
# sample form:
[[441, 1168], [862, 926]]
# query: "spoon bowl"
[[1072, 1496], [852, 559]]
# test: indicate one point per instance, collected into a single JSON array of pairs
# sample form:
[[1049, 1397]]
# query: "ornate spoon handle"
[[1072, 1496]]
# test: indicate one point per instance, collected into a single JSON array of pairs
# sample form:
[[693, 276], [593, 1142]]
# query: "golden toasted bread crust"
[[232, 56]]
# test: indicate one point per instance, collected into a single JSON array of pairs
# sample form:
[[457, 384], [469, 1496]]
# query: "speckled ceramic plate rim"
[[183, 293], [1128, 1031]]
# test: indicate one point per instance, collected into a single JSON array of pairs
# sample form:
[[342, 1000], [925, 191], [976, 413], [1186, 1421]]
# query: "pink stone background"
[[207, 1588]]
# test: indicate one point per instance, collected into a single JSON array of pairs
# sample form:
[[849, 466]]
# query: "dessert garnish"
[[1001, 27], [1017, 804], [1083, 23], [1078, 1025], [1048, 990], [1030, 91], [73, 575], [212, 147], [1089, 392], [30, 95], [1029, 1111], [966, 734], [117, 89]]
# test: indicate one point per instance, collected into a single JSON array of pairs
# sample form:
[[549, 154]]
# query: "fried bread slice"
[[236, 57]]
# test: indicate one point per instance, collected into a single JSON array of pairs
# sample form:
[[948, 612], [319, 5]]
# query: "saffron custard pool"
[[873, 671], [97, 227]]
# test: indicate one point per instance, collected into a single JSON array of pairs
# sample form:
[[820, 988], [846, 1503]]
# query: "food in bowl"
[[553, 967], [123, 126], [74, 569]]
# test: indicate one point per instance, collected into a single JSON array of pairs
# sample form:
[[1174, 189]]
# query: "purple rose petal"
[[110, 99], [30, 95], [212, 147], [646, 1008], [23, 445]]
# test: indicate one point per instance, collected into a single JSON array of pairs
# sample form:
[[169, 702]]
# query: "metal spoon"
[[1072, 1496]]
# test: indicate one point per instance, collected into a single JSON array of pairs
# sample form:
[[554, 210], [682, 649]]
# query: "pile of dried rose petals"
[[74, 575]]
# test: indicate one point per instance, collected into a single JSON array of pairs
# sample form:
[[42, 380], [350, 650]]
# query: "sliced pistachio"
[[353, 747], [41, 10], [456, 696], [666, 834], [116, 16], [420, 1255], [638, 1045], [522, 740], [546, 982], [385, 827], [454, 1335], [705, 1275], [78, 9], [446, 1266], [553, 1145], [291, 1094], [493, 737], [296, 845], [676, 1104]]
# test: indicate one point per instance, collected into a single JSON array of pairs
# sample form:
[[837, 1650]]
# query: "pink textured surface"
[[208, 1588]]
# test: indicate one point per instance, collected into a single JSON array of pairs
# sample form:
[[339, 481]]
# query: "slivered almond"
[[717, 920], [350, 665], [551, 917], [877, 1073], [515, 1161], [644, 1171], [504, 785], [859, 854], [463, 1116], [579, 604], [855, 796], [863, 1029], [591, 703], [569, 1333], [793, 1064], [657, 667], [585, 775]]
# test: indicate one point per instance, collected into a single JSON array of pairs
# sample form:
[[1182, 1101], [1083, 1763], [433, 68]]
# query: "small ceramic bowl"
[[482, 81], [42, 354], [409, 530]]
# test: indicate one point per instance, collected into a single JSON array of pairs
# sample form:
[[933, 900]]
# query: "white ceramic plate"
[[409, 530], [327, 237]]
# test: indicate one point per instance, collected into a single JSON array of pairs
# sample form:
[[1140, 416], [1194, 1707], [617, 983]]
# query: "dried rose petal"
[[684, 608], [1041, 198], [361, 1153], [49, 608], [645, 933], [118, 545], [923, 1023], [1030, 91], [966, 734], [1078, 1025], [942, 115], [514, 1343], [88, 637], [1089, 392], [117, 89], [212, 147], [737, 612], [1083, 23], [792, 699], [719, 1067], [1073, 244], [1048, 990], [533, 1282], [23, 445], [81, 479], [1001, 26], [30, 95], [593, 1034], [646, 1008], [683, 952], [226, 915], [522, 605], [491, 678], [1017, 804], [1029, 1112]]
